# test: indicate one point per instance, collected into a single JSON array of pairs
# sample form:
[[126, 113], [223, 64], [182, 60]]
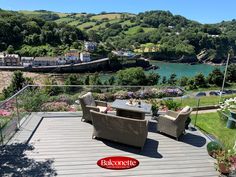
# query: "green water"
[[180, 69]]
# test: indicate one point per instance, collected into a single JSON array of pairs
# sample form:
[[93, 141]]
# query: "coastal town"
[[73, 60], [73, 56]]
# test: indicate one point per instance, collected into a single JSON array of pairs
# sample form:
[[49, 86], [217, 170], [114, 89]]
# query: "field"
[[136, 29], [65, 20], [86, 25], [102, 25], [26, 12], [212, 124], [204, 101], [109, 16]]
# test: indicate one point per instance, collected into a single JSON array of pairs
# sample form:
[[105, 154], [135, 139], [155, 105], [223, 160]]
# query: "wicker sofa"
[[119, 129], [173, 123], [88, 103]]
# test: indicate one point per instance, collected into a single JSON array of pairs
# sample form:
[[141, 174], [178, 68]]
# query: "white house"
[[11, 60], [27, 61], [45, 61], [72, 56], [90, 46], [85, 57], [1, 58], [61, 61]]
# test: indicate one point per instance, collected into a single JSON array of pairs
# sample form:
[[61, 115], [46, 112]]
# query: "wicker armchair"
[[173, 123], [88, 103]]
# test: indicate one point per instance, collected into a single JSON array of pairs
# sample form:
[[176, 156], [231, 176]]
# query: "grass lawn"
[[212, 87], [127, 22], [204, 101], [75, 23], [66, 20], [134, 30], [212, 124], [85, 25], [109, 16], [27, 12], [102, 25]]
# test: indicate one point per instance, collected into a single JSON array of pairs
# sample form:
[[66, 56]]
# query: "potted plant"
[[155, 107], [226, 161], [213, 147], [223, 163]]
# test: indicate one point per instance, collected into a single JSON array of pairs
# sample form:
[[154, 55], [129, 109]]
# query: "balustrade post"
[[17, 112], [1, 136]]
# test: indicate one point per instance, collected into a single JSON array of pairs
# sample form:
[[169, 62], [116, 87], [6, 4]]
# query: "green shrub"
[[172, 105], [32, 101]]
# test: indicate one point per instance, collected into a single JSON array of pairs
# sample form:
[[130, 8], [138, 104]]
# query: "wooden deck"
[[60, 144]]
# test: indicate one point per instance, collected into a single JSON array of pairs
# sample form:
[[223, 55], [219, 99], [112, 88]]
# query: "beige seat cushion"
[[102, 108]]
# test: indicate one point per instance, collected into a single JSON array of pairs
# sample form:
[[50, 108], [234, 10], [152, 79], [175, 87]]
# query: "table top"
[[122, 104]]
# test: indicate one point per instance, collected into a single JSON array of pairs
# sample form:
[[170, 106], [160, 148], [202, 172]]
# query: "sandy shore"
[[6, 76]]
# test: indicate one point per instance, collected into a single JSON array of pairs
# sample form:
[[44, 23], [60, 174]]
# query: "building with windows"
[[90, 46], [72, 56], [11, 59], [85, 57], [1, 59], [27, 61], [45, 61]]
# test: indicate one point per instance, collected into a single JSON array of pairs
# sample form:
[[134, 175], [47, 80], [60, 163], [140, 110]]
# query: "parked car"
[[221, 92], [229, 91], [213, 93], [199, 94]]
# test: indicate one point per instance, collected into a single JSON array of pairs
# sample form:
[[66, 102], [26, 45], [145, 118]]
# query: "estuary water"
[[183, 69], [180, 69]]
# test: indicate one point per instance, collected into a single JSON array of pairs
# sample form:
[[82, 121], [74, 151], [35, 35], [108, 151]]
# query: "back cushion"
[[88, 99], [185, 109]]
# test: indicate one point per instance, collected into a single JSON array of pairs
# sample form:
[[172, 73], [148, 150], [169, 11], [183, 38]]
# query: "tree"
[[111, 80], [10, 49], [172, 80], [131, 76], [94, 36], [153, 78], [95, 80], [51, 88], [200, 80], [17, 83], [73, 79], [164, 80], [87, 80], [216, 77], [183, 81], [231, 73], [191, 84]]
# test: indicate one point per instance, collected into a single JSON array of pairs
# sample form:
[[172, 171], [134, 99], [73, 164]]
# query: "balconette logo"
[[118, 163]]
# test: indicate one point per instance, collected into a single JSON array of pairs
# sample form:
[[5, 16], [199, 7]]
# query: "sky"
[[204, 11]]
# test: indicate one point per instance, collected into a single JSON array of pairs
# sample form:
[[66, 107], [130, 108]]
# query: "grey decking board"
[[69, 141]]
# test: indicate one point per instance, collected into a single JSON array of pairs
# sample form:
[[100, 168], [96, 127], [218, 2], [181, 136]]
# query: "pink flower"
[[4, 112]]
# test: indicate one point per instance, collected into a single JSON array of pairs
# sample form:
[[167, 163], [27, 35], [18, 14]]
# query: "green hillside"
[[44, 32]]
